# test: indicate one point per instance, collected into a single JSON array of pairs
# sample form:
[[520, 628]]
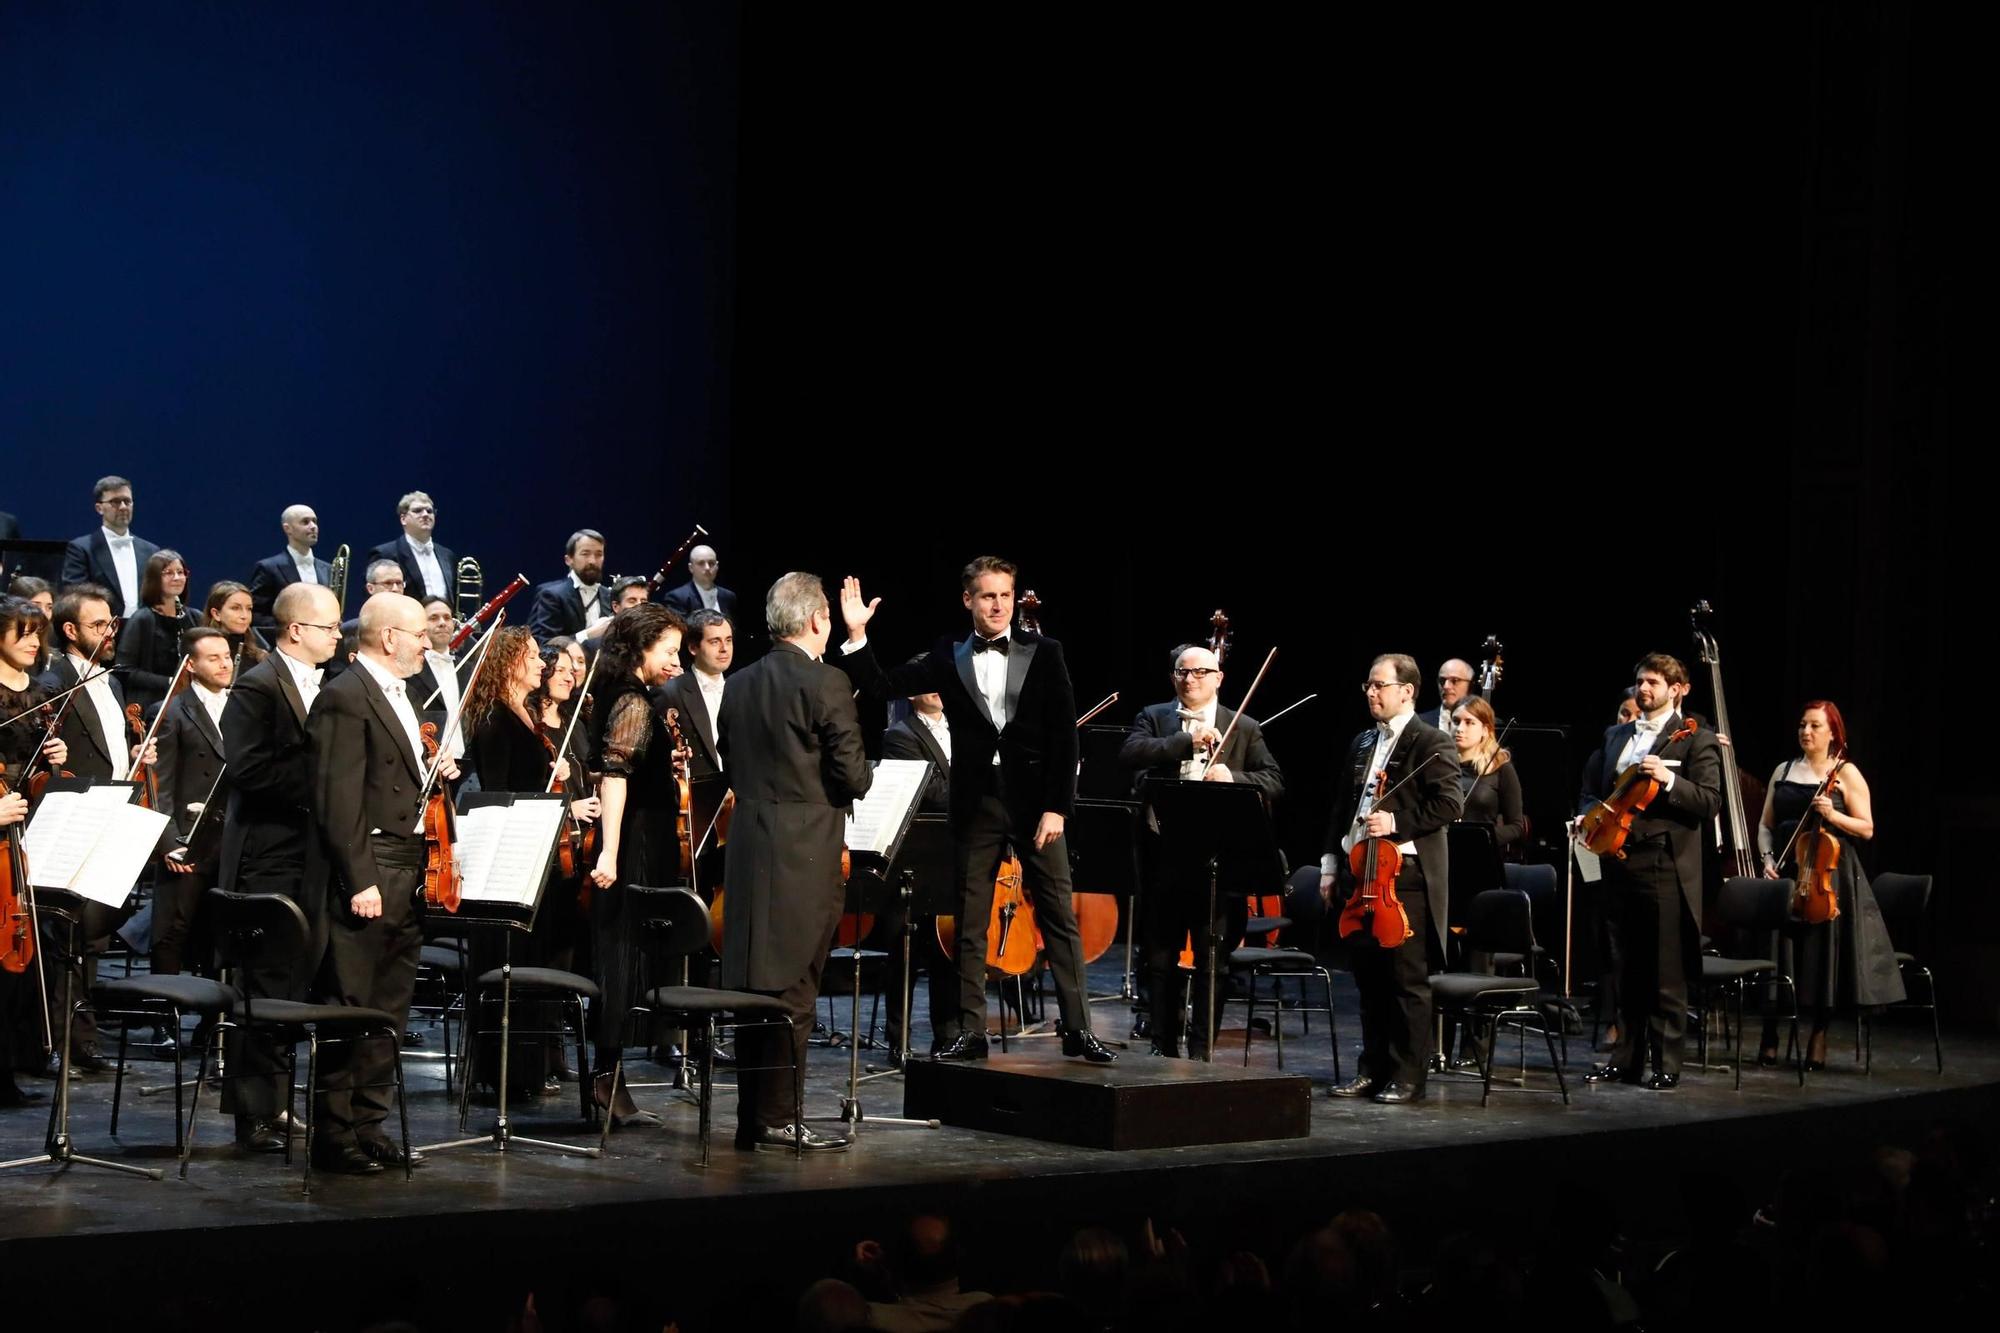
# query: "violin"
[[441, 879], [577, 847], [17, 925], [1605, 826], [683, 832], [1375, 908], [149, 781], [1815, 900]]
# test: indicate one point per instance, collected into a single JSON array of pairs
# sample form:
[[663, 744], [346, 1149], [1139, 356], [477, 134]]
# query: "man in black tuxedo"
[[1175, 741], [110, 557], [1454, 684], [191, 786], [1013, 783], [1654, 890], [577, 604], [427, 566], [1400, 784], [383, 574], [698, 692], [295, 564], [267, 840], [792, 745], [924, 734], [368, 782], [701, 590]]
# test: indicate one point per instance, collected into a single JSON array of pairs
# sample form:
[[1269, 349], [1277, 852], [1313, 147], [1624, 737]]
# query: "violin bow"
[[452, 719], [1839, 762], [1247, 696]]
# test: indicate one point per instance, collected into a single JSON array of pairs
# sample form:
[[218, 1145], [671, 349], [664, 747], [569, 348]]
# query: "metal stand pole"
[[851, 1113]]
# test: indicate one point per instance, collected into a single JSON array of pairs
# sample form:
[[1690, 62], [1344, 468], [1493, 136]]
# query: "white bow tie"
[[314, 676], [394, 689], [1644, 725]]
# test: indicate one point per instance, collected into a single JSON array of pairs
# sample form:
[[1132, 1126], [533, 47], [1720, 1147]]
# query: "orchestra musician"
[[697, 692], [552, 704], [191, 766], [577, 604], [31, 589], [1454, 685], [701, 591], [1488, 782], [149, 642], [1416, 760], [110, 557], [1013, 783], [427, 566], [1175, 741], [1655, 888], [435, 689], [295, 564], [22, 626], [791, 741], [228, 608], [384, 574]]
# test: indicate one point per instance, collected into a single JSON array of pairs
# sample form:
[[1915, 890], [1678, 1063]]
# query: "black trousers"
[[1171, 911], [1657, 938], [176, 902], [1395, 986], [980, 846], [764, 1089], [940, 972], [373, 965], [256, 1086]]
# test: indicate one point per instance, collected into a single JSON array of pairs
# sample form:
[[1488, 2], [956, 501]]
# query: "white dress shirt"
[[212, 701], [126, 562], [990, 670], [308, 571], [593, 600], [427, 565], [109, 718], [1647, 735], [711, 697], [708, 597], [1193, 769], [306, 678], [406, 713], [1387, 733], [940, 730], [446, 672]]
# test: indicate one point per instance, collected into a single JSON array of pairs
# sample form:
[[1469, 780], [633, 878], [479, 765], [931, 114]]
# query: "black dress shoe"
[[1086, 1045], [346, 1160], [1361, 1085], [413, 1040], [1395, 1094], [259, 1135], [88, 1058], [780, 1139], [1664, 1082], [1612, 1074], [965, 1046], [388, 1152]]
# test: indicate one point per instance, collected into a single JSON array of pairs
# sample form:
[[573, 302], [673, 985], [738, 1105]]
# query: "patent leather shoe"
[[969, 1046], [1086, 1045], [1395, 1094], [259, 1135], [346, 1160], [1611, 1074], [389, 1152], [780, 1138], [1664, 1082], [1361, 1085]]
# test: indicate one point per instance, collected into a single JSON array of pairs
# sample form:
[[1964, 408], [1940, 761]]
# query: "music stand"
[[70, 909], [1103, 840], [927, 886], [509, 919], [1211, 822]]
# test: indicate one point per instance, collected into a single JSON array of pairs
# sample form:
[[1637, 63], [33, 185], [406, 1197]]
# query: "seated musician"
[[1487, 778]]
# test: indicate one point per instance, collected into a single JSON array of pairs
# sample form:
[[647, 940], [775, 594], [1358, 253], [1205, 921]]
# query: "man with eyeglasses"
[[701, 591], [1400, 784], [428, 567], [267, 843], [111, 557], [1454, 684], [1172, 741]]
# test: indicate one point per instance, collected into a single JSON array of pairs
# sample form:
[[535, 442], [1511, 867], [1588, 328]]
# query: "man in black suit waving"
[[368, 781], [1654, 890], [427, 566], [1012, 712], [791, 742], [1400, 784], [111, 557], [1177, 741], [295, 564]]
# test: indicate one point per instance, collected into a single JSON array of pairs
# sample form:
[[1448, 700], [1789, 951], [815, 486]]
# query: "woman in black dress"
[[640, 795], [149, 642], [228, 608], [553, 704], [1848, 962], [1486, 775], [23, 630]]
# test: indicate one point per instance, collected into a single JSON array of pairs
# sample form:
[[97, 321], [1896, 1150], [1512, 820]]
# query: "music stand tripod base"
[[851, 1112]]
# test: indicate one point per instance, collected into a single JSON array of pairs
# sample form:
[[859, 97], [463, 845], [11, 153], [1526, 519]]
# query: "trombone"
[[336, 578], [471, 592]]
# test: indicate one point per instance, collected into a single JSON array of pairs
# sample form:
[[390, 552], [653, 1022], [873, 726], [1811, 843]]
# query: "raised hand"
[[855, 612]]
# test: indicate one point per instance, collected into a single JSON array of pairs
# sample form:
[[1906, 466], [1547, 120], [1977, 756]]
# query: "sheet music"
[[504, 850], [1588, 864], [59, 837], [880, 815], [94, 843]]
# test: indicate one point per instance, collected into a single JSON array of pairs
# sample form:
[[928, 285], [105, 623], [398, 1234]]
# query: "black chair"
[[163, 1000], [442, 966], [1256, 963], [1539, 882], [267, 931], [1905, 902], [674, 925], [1754, 909], [547, 990], [1498, 922]]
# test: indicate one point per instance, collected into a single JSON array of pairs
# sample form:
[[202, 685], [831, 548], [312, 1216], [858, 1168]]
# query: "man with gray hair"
[[1454, 683], [384, 575], [295, 564], [791, 742]]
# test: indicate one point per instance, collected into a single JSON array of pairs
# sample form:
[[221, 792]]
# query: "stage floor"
[[648, 1183]]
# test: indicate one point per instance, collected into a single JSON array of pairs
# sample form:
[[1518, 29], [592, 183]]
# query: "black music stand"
[[1103, 840], [925, 871], [70, 909], [1211, 822], [509, 920]]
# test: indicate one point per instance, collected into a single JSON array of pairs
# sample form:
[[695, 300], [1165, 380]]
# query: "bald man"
[[1454, 683], [368, 781], [295, 564], [701, 590]]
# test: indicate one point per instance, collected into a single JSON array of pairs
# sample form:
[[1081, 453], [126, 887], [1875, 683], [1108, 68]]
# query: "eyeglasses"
[[421, 509], [413, 633], [1454, 680], [1195, 673], [125, 503], [308, 624], [1375, 686]]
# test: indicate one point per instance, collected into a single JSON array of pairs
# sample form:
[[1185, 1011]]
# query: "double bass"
[[1739, 858]]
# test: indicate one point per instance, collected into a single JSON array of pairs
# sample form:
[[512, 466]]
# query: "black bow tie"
[[998, 645]]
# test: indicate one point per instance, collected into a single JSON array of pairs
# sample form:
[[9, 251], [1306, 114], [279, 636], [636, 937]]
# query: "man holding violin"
[[1399, 789], [1653, 887]]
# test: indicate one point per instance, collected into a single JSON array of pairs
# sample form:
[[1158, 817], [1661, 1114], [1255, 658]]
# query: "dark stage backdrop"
[[258, 254]]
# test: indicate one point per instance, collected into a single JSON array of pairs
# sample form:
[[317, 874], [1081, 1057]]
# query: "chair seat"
[[1264, 925], [1296, 960], [1733, 969], [545, 978], [195, 994], [295, 1012], [441, 957], [701, 1000], [1464, 986]]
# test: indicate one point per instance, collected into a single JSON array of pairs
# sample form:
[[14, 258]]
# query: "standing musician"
[[701, 591], [1848, 962], [577, 604], [924, 734], [1654, 890], [149, 642], [792, 741], [384, 574], [1172, 741], [1487, 780], [435, 687], [228, 609], [22, 627], [111, 557], [629, 592], [191, 766], [295, 564], [427, 566], [1418, 761], [1013, 782], [1454, 685], [698, 692], [368, 767], [552, 704], [267, 840], [639, 797]]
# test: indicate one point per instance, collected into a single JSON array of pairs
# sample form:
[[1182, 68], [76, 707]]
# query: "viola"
[[149, 781], [1605, 826], [1375, 908], [1815, 900], [17, 926], [441, 878]]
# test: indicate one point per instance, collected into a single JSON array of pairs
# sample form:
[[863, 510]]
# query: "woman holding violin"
[[553, 704], [1817, 813], [149, 641], [639, 795], [23, 627]]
